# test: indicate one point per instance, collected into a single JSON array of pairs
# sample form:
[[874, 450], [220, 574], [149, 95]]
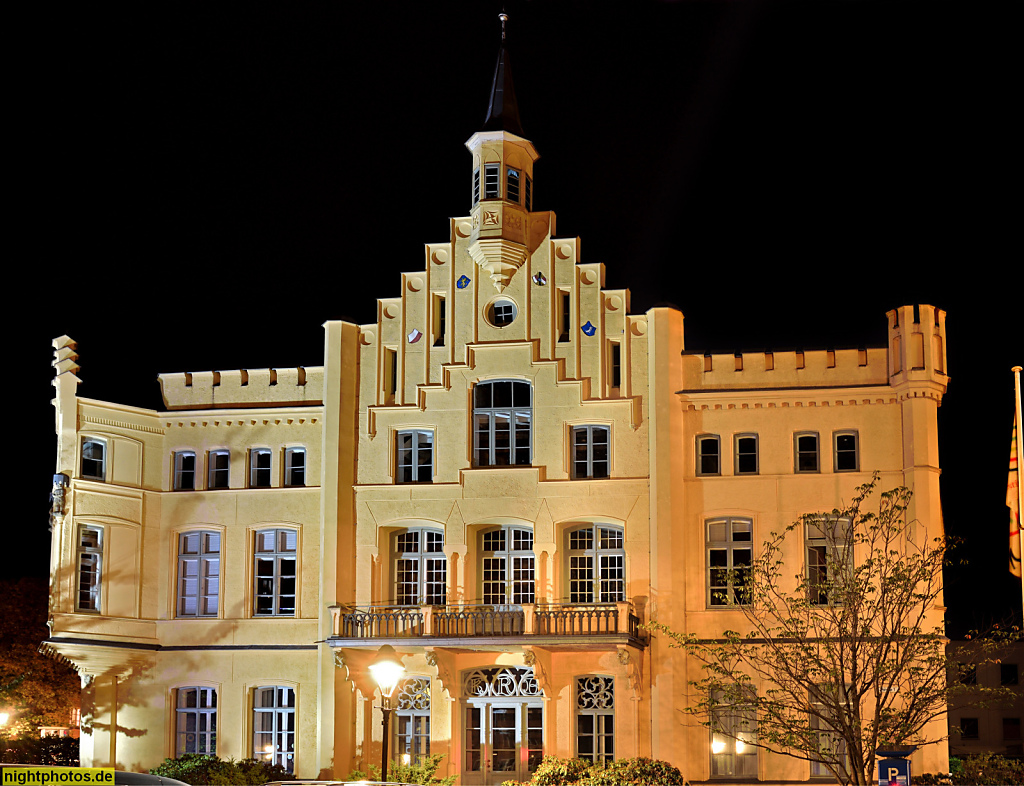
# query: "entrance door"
[[503, 742]]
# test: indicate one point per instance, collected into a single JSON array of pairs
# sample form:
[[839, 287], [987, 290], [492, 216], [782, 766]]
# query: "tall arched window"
[[502, 423], [420, 567], [596, 564], [507, 565]]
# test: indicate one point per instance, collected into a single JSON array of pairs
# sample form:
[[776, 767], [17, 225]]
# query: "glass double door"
[[503, 741]]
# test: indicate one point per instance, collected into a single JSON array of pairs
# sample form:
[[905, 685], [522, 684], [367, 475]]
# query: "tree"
[[845, 657], [38, 689]]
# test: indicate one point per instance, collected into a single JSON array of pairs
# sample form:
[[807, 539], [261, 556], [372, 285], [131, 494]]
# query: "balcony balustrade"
[[552, 620]]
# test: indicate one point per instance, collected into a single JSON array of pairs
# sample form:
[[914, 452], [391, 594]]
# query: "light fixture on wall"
[[387, 670]]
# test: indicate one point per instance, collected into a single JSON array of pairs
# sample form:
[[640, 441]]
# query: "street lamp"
[[387, 670]]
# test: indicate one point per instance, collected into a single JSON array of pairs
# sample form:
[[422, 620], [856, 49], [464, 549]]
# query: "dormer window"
[[476, 186], [528, 201], [492, 181]]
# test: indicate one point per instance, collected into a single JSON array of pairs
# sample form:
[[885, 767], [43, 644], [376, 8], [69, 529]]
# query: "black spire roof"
[[503, 110]]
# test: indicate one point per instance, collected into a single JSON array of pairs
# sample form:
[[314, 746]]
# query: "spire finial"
[[504, 18]]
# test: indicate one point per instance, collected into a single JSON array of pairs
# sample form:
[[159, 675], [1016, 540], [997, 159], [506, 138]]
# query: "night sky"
[[199, 186]]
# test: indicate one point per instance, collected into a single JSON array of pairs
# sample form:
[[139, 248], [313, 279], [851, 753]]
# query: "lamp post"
[[387, 670]]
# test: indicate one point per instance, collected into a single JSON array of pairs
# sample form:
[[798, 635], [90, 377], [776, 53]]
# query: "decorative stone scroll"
[[595, 693], [413, 694], [503, 681]]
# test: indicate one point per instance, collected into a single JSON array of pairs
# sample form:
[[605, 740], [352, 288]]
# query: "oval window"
[[501, 312]]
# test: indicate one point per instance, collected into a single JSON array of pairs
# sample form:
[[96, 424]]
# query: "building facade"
[[504, 476]]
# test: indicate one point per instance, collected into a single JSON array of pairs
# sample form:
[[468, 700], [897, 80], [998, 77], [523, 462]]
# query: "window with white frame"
[[831, 747], [259, 468], [507, 565], [502, 423], [184, 470], [746, 454], [501, 312], [729, 556], [590, 451], [412, 719], [198, 574], [827, 556], [709, 455], [420, 567], [492, 181], [414, 456], [476, 186], [528, 200], [805, 449], [94, 459], [845, 451], [196, 721], [90, 558], [219, 469], [273, 724], [275, 573], [597, 564], [733, 739], [595, 718], [295, 467]]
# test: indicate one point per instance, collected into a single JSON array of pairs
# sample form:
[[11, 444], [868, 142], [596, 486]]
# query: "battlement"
[[780, 370], [917, 344], [263, 387]]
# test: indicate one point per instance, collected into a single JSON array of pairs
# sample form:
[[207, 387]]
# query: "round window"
[[501, 312]]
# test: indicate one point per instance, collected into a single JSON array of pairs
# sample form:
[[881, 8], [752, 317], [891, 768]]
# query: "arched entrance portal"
[[502, 725]]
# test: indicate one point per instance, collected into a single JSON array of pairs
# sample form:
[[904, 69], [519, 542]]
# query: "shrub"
[[50, 751], [554, 771], [197, 768], [981, 769], [423, 773], [640, 771]]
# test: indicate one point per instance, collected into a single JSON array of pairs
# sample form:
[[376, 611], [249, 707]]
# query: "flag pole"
[[1019, 426]]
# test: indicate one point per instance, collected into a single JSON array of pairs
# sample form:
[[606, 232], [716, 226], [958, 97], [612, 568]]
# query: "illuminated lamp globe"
[[387, 670]]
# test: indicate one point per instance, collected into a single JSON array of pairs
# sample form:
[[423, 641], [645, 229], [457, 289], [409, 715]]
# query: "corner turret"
[[502, 180]]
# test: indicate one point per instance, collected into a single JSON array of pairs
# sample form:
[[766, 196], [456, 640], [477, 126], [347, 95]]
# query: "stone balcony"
[[569, 626]]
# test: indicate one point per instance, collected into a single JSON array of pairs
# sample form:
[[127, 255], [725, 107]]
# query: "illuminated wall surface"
[[502, 477]]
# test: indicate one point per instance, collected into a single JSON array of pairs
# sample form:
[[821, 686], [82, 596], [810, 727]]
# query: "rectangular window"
[[184, 470], [845, 451], [421, 568], [390, 372], [831, 747], [1008, 674], [414, 451], [476, 186], [295, 467], [492, 181], [219, 468], [94, 459], [90, 556], [969, 729], [512, 184], [528, 202], [440, 320], [502, 413], [709, 455], [827, 559], [597, 565], [733, 741], [259, 468], [273, 723], [275, 573], [590, 451], [729, 556], [746, 454], [595, 719], [1011, 729], [614, 366], [563, 315], [196, 721], [198, 574], [805, 447], [412, 719]]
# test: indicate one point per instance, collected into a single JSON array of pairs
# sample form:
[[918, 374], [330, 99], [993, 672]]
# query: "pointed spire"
[[503, 110]]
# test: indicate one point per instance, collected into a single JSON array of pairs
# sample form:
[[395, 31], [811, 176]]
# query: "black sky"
[[201, 185]]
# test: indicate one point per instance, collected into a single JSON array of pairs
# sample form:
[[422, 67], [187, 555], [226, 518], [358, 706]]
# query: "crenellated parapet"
[[262, 387], [781, 370], [917, 350]]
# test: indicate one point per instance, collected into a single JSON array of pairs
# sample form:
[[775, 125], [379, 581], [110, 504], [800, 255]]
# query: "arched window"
[[420, 567], [273, 723], [507, 566], [412, 719], [596, 564], [502, 423]]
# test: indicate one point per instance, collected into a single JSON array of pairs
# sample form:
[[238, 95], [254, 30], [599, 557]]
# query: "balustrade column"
[[622, 620], [529, 617]]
